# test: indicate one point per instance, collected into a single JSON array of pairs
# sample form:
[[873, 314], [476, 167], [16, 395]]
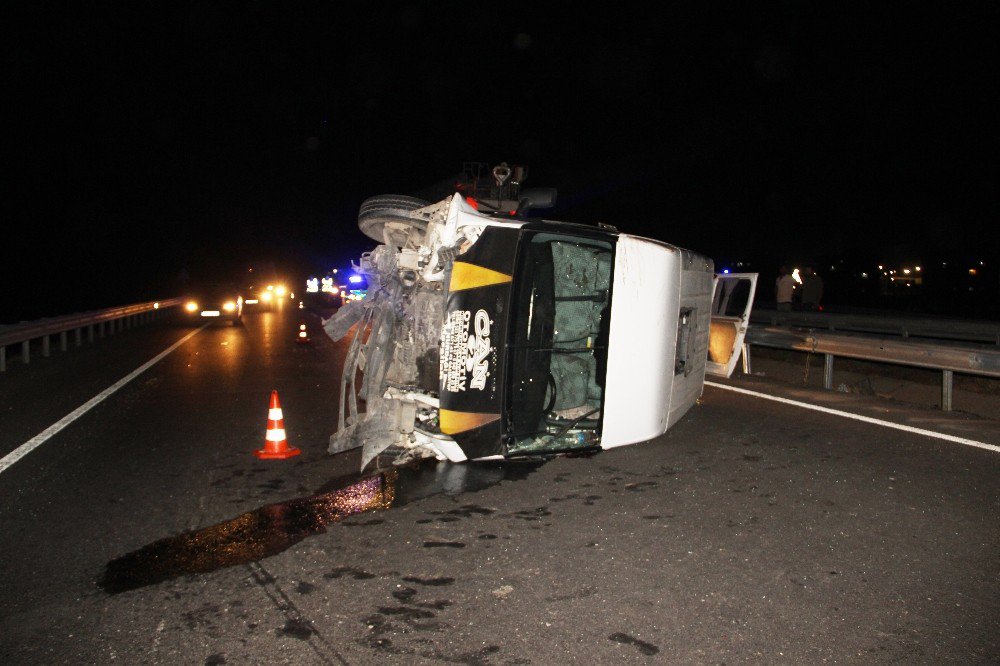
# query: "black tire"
[[376, 211]]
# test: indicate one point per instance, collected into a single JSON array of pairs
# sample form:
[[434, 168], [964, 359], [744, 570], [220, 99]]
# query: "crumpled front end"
[[395, 347]]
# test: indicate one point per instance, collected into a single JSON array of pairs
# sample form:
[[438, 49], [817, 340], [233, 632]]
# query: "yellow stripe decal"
[[455, 422], [470, 276]]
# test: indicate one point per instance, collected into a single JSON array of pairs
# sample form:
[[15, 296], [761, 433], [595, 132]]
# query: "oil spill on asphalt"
[[273, 528]]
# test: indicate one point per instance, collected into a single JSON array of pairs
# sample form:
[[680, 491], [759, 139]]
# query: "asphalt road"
[[147, 532]]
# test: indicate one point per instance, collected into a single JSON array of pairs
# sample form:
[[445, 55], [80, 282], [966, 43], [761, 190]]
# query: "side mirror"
[[539, 197]]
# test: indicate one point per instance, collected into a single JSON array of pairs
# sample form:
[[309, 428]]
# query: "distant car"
[[265, 295], [214, 302], [257, 297]]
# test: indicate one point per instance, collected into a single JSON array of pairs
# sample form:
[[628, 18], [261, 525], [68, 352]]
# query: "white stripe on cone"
[[276, 435], [275, 414]]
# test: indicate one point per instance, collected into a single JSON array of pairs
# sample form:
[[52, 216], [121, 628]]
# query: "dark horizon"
[[149, 140]]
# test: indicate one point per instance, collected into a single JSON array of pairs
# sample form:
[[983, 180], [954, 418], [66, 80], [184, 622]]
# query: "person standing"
[[812, 289], [784, 288]]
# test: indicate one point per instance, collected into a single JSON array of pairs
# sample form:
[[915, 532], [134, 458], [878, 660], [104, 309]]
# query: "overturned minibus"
[[493, 335]]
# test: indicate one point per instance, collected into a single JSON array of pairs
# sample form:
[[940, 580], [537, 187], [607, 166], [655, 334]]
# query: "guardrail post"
[[828, 371], [62, 340], [946, 385], [45, 346], [90, 333], [746, 359], [128, 322], [26, 351], [78, 334], [3, 359]]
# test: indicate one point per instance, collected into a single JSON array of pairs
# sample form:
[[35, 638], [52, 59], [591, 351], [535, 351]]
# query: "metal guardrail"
[[99, 321], [948, 357], [884, 323]]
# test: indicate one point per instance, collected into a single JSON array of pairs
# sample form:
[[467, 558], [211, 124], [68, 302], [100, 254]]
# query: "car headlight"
[[229, 306], [190, 306], [265, 296], [280, 290]]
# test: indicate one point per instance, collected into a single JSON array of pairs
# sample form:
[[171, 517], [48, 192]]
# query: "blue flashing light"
[[354, 279], [725, 271]]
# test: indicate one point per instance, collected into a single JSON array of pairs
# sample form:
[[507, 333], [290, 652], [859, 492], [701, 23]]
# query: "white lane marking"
[[858, 417], [46, 434]]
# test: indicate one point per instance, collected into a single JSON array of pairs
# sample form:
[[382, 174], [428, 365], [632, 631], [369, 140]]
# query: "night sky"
[[145, 139]]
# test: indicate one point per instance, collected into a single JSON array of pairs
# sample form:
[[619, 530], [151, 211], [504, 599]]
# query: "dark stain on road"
[[405, 594], [469, 510], [438, 604], [480, 657], [406, 613], [247, 538], [455, 515], [273, 528], [430, 582], [304, 587], [443, 544], [299, 629], [644, 647]]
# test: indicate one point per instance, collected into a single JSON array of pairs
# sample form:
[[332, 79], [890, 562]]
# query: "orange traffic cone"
[[275, 445], [303, 336]]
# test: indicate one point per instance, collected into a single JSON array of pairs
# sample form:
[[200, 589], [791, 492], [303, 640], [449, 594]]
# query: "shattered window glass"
[[559, 340]]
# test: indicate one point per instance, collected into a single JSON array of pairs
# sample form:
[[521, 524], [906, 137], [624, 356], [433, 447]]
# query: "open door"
[[731, 302]]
